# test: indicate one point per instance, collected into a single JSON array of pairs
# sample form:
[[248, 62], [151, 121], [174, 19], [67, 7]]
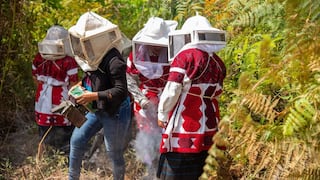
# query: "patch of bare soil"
[[19, 150]]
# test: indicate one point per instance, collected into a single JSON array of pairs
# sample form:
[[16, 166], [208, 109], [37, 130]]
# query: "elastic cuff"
[[162, 117], [143, 102]]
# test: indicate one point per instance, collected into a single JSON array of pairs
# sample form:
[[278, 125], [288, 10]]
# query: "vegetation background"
[[270, 105]]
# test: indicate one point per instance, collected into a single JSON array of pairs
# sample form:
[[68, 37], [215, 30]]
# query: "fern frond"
[[271, 113], [311, 174], [185, 9], [314, 66], [261, 105], [304, 107], [266, 159], [254, 13], [300, 115]]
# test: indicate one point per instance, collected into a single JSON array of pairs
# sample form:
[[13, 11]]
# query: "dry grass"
[[19, 150]]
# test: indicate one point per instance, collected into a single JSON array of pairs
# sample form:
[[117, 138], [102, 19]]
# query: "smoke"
[[148, 138], [147, 147]]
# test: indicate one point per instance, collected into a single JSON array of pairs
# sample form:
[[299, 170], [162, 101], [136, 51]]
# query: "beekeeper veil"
[[91, 38], [150, 47], [196, 32], [56, 44]]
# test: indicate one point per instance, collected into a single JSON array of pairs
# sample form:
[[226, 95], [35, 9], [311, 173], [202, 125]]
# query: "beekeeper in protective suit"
[[147, 73], [188, 108], [96, 45], [54, 71]]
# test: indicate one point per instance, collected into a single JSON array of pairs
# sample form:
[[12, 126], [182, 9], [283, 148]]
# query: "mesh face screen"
[[150, 53], [96, 45], [176, 43], [89, 50], [55, 49], [112, 36], [92, 47], [76, 46], [211, 36]]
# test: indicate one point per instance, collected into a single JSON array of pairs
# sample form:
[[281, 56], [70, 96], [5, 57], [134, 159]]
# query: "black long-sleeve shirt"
[[109, 80]]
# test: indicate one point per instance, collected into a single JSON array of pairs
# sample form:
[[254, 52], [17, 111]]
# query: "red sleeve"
[[178, 67], [36, 62]]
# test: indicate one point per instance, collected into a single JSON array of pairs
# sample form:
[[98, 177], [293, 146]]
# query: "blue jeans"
[[116, 130]]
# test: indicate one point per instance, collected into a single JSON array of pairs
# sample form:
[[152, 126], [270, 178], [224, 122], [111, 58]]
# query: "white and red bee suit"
[[189, 102], [55, 70], [147, 91], [147, 73], [53, 78]]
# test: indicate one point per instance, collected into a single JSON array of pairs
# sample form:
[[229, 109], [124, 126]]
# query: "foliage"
[[25, 24], [5, 167], [16, 85], [270, 104], [185, 9], [14, 52], [271, 94]]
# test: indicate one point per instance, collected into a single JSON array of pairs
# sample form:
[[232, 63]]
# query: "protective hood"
[[91, 38], [150, 47], [155, 32], [198, 33], [56, 44], [125, 46]]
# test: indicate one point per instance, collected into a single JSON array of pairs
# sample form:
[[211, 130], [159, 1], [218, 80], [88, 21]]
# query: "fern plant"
[[300, 115], [187, 8], [262, 105], [273, 66]]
